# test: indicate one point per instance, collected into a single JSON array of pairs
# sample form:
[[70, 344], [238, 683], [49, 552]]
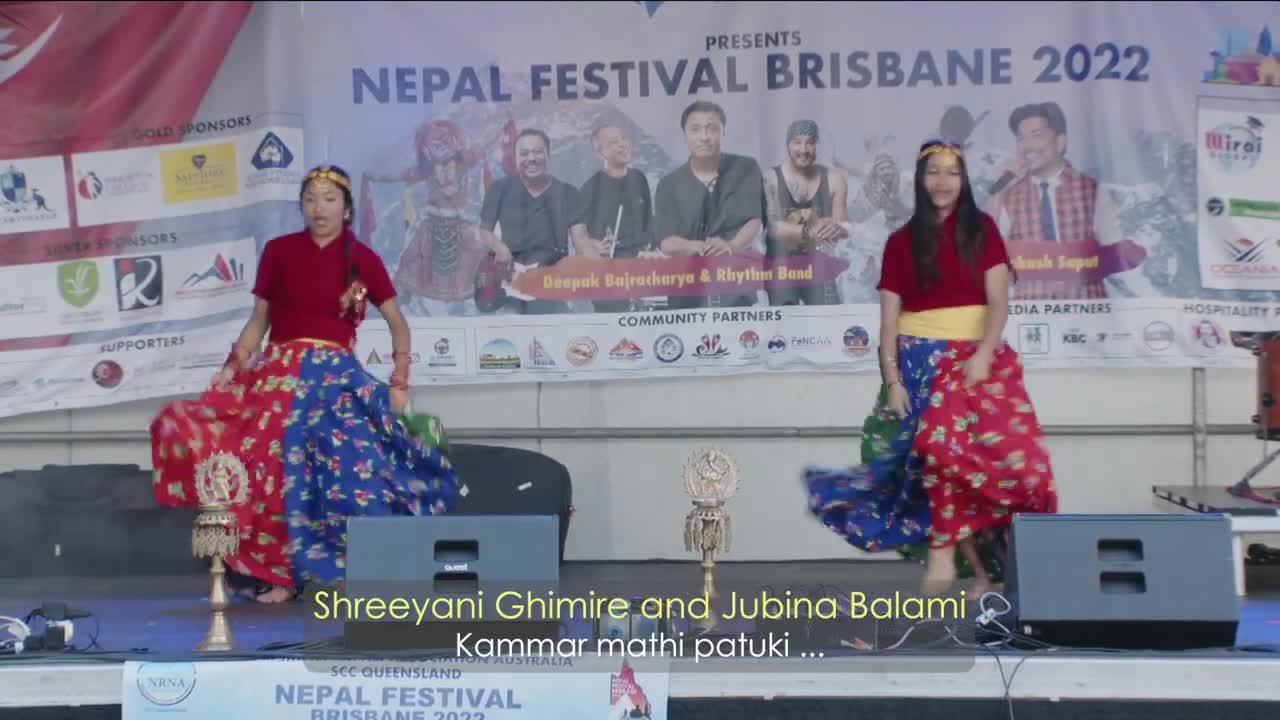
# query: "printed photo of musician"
[[710, 205], [614, 218], [1043, 198], [532, 212], [806, 208]]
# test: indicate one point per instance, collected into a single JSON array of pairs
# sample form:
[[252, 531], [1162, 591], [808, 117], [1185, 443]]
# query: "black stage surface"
[[162, 618]]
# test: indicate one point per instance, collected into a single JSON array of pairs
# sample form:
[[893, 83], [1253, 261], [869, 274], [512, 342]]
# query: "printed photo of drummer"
[[532, 211], [614, 218], [805, 204], [710, 205]]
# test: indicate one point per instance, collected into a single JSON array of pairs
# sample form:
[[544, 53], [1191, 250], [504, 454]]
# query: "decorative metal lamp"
[[222, 482], [710, 478]]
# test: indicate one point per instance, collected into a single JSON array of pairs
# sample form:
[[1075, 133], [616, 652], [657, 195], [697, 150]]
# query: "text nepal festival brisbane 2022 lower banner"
[[507, 688], [628, 189]]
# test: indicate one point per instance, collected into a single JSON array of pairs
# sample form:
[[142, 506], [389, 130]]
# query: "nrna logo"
[[651, 8], [166, 684]]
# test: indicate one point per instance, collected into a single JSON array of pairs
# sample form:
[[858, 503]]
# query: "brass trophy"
[[222, 481], [710, 478]]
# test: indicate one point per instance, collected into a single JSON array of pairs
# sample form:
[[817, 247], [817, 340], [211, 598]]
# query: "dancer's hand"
[[899, 402], [977, 369], [399, 400], [223, 379]]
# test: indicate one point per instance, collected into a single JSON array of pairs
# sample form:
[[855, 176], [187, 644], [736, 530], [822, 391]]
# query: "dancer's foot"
[[981, 586], [276, 594], [934, 585]]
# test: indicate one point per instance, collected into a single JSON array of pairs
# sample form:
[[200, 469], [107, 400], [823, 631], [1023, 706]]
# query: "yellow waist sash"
[[954, 323], [315, 342]]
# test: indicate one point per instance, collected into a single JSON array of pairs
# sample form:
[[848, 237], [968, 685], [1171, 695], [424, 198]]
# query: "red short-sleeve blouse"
[[304, 284], [957, 285]]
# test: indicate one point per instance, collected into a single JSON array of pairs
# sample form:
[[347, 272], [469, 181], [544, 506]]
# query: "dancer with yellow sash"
[[953, 448], [319, 438]]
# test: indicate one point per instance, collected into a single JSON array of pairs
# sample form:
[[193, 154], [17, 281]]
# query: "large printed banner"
[[480, 688], [630, 189]]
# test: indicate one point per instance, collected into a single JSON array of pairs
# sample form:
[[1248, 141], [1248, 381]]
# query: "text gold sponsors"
[[199, 173], [198, 127]]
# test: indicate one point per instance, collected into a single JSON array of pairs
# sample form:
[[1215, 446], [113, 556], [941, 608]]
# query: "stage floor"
[[163, 618]]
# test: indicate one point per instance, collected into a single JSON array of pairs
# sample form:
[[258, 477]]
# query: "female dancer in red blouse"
[[953, 448], [320, 439]]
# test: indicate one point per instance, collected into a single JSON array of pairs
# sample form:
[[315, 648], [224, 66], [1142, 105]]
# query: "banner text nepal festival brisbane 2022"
[[628, 189]]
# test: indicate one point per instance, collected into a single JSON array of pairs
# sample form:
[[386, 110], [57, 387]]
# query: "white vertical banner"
[[1239, 185]]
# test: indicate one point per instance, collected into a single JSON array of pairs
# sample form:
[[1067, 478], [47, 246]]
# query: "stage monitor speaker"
[[464, 563], [1157, 582]]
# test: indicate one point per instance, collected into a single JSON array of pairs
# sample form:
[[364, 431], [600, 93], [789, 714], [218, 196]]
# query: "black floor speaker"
[[1153, 582]]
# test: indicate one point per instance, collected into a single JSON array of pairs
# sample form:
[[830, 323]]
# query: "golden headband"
[[943, 148], [326, 173]]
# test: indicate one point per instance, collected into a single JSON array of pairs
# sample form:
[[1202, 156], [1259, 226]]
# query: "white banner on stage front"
[[535, 688]]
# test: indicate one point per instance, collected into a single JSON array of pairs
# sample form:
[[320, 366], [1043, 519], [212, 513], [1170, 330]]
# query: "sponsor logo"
[[441, 355], [1214, 207], [78, 282], [272, 160], [9, 386], [1259, 209], [196, 174], [22, 306], [387, 358], [1158, 336], [21, 201], [857, 341], [750, 342], [1236, 147], [668, 348], [626, 350], [1075, 336], [710, 348], [222, 276], [777, 344], [499, 354], [810, 342], [1247, 258], [139, 283], [1033, 339], [108, 374], [92, 186], [166, 684], [581, 351], [1208, 334], [539, 358]]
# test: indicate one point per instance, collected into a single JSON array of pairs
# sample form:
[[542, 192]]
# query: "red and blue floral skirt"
[[961, 463], [321, 443]]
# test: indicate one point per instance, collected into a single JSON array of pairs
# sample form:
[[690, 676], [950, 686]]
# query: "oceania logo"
[[166, 684]]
